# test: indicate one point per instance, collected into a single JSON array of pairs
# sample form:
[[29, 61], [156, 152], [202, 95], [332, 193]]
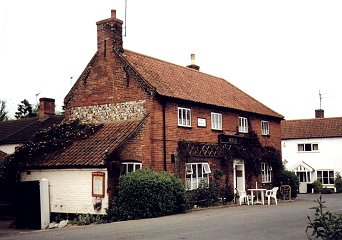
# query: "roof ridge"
[[312, 119], [177, 65]]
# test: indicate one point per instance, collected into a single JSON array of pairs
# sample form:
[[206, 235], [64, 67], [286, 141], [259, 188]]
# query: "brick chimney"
[[193, 65], [109, 35], [319, 113], [46, 107]]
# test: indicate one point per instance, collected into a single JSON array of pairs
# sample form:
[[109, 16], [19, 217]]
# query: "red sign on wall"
[[98, 184]]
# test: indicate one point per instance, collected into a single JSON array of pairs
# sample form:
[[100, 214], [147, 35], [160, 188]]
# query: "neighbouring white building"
[[312, 148]]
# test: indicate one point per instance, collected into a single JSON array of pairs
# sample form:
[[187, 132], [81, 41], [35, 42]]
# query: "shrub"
[[317, 186], [145, 194], [285, 177], [327, 190], [326, 225], [205, 195], [338, 183]]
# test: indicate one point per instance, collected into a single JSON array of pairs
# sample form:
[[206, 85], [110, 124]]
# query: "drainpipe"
[[164, 133]]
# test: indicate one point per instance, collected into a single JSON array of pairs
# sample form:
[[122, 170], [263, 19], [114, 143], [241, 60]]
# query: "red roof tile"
[[23, 130], [175, 81], [93, 151], [311, 128]]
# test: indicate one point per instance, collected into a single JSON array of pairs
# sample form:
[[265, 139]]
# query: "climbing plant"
[[44, 142]]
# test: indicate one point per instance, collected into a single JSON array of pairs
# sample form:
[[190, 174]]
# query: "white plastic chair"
[[243, 196], [272, 193]]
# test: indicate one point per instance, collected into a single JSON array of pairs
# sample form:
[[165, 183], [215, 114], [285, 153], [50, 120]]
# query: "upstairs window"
[[308, 147], [243, 125], [184, 117], [266, 173], [265, 128], [216, 121], [127, 167]]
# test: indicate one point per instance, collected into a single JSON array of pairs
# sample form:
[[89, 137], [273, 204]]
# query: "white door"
[[239, 175], [304, 179]]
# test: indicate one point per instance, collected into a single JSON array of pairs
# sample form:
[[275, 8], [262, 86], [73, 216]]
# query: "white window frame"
[[330, 178], [195, 174], [126, 165], [266, 173], [243, 125], [184, 117], [301, 147], [265, 127], [216, 121]]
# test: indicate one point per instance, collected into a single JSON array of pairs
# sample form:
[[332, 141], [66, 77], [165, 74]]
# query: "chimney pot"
[[193, 65], [192, 59]]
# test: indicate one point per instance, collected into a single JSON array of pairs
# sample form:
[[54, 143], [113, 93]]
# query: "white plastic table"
[[258, 191]]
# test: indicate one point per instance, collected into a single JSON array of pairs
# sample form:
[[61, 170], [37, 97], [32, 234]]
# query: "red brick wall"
[[199, 134]]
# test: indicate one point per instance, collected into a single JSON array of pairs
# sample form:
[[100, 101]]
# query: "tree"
[[3, 112], [25, 110]]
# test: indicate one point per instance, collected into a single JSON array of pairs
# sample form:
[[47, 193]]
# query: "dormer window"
[[243, 125], [184, 117]]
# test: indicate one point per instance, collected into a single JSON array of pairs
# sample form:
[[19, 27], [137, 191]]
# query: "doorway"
[[239, 175]]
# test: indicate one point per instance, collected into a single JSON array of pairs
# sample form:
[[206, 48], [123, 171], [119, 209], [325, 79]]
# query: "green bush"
[[326, 225], [205, 195], [338, 183], [145, 194], [285, 177], [317, 186]]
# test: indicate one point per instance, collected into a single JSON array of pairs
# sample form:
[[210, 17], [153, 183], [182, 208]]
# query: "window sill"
[[181, 126]]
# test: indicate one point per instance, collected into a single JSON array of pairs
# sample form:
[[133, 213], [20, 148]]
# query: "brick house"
[[156, 115], [312, 149]]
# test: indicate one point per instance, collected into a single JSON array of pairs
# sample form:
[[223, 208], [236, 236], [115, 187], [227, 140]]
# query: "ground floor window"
[[127, 167], [196, 174], [326, 176], [266, 173]]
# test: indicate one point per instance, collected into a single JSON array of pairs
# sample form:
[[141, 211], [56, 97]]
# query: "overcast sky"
[[282, 53]]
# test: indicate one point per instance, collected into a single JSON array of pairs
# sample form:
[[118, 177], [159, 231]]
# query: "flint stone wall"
[[109, 112]]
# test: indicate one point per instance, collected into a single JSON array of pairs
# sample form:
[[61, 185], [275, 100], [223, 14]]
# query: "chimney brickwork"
[[46, 107], [109, 35], [319, 113]]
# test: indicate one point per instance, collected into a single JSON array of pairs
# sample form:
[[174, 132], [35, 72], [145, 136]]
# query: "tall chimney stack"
[[193, 65], [319, 113], [109, 35], [46, 107]]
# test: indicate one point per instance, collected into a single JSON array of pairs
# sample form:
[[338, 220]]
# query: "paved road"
[[288, 220]]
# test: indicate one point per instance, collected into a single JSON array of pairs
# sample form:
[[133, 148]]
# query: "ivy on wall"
[[44, 142], [254, 153], [246, 148]]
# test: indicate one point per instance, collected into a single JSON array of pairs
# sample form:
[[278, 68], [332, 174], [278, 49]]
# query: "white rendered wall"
[[328, 156], [70, 189], [8, 148]]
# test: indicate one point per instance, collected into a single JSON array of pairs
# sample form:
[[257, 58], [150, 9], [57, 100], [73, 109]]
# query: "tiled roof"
[[93, 151], [311, 128], [3, 155], [171, 80], [23, 130]]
